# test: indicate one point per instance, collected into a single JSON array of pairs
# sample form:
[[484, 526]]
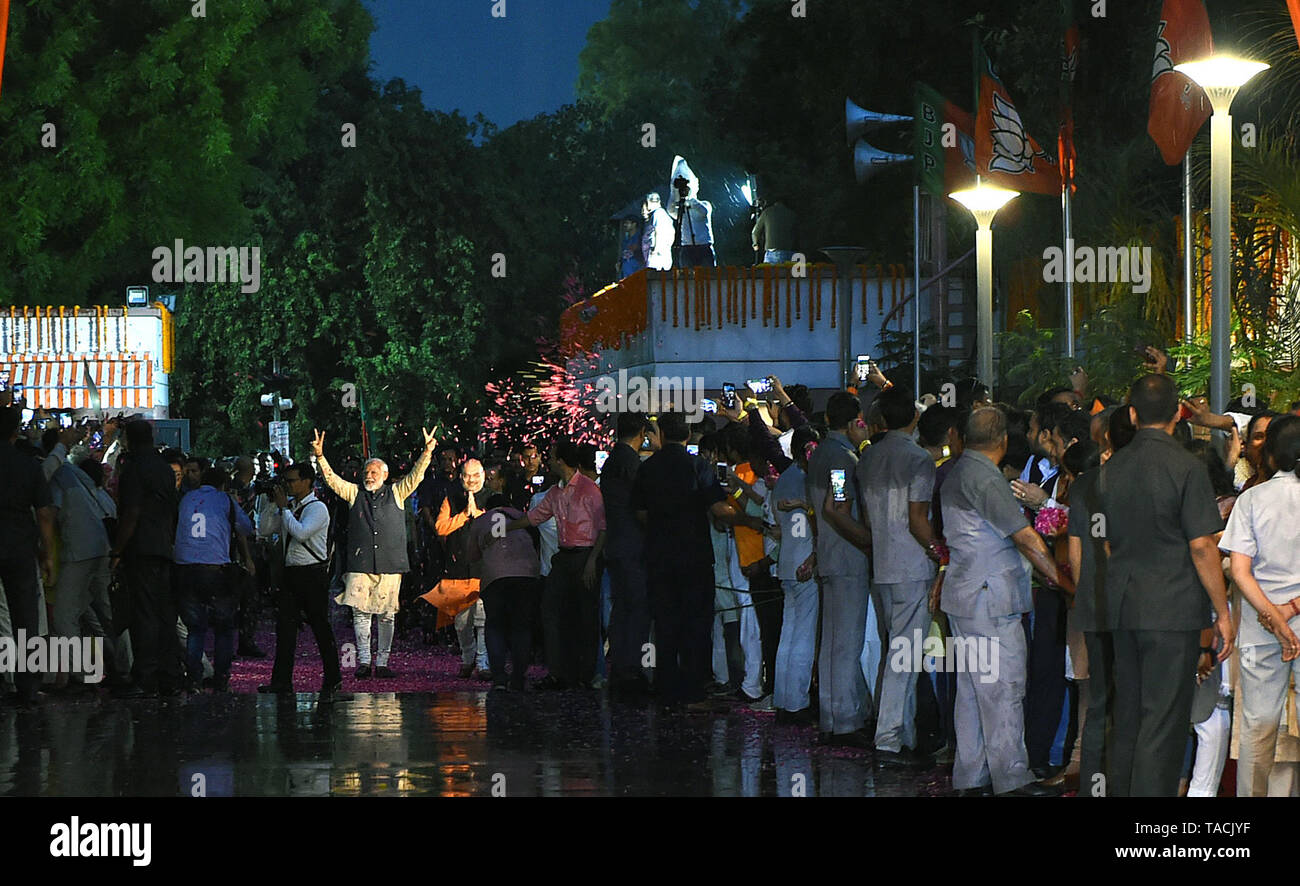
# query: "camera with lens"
[[683, 186], [267, 485]]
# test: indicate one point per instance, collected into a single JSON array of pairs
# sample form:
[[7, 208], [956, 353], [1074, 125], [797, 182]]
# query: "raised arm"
[[340, 487], [405, 486]]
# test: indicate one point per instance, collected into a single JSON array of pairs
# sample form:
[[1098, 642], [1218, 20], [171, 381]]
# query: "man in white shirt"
[[304, 590]]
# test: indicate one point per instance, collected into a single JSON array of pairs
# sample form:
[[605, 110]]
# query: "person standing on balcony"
[[695, 227], [656, 234], [774, 233]]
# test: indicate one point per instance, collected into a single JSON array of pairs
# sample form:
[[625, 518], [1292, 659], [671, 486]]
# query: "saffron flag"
[[4, 29], [451, 597], [1179, 108], [365, 430], [945, 143], [1069, 67], [1004, 152], [1294, 6]]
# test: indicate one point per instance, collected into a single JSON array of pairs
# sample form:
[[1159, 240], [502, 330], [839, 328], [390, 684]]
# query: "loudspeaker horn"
[[868, 160], [859, 121]]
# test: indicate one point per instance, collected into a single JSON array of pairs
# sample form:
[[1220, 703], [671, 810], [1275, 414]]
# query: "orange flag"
[[1179, 108], [1004, 152], [1294, 6], [4, 29], [451, 597]]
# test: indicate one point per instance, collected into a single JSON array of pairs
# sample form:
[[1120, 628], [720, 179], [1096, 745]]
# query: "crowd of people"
[[1087, 595]]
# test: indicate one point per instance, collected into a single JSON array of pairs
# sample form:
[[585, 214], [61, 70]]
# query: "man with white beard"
[[376, 552]]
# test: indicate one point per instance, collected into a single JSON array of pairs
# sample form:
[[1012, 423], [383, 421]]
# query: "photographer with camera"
[[305, 588], [694, 218]]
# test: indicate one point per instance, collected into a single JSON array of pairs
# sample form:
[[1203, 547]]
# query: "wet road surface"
[[450, 743]]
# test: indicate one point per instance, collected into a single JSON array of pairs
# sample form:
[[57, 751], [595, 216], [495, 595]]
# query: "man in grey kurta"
[[896, 478], [986, 590], [842, 568]]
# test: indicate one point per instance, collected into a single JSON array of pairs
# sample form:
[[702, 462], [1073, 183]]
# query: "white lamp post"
[[1220, 77], [984, 201]]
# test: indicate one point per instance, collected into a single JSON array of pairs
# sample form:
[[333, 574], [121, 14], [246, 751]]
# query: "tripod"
[[677, 226]]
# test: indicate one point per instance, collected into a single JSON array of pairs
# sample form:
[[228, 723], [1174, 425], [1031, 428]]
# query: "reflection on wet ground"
[[451, 744]]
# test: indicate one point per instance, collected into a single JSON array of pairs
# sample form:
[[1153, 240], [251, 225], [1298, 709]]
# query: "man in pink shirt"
[[571, 600]]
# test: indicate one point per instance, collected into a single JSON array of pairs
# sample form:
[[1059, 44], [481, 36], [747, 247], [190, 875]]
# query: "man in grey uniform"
[[842, 568], [896, 477], [986, 590]]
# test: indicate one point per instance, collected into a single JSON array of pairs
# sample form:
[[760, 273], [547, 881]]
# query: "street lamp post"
[[1221, 78], [984, 201], [845, 259]]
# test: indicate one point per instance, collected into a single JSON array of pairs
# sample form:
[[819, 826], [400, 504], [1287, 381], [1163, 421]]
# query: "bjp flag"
[[945, 143], [1294, 6], [4, 29], [1004, 152], [1179, 108]]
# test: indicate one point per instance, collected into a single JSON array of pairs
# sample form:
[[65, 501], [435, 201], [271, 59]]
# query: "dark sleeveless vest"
[[456, 545], [377, 533]]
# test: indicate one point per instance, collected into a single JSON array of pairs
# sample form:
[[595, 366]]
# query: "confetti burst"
[[544, 401]]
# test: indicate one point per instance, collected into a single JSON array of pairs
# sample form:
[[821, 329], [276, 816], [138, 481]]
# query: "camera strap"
[[297, 515]]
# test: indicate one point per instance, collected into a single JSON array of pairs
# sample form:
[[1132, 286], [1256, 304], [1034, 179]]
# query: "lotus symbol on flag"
[[1164, 63], [1011, 149]]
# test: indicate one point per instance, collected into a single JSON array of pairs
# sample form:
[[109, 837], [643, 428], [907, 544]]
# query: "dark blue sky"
[[462, 58]]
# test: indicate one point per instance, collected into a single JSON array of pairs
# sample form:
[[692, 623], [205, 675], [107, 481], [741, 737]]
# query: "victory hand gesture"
[[318, 443], [430, 441]]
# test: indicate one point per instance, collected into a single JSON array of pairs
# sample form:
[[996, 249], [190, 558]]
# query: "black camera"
[[683, 186], [267, 485]]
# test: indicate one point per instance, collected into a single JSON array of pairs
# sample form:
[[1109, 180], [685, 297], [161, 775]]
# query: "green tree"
[[162, 124]]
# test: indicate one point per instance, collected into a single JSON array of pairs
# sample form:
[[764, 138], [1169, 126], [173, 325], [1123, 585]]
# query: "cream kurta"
[[363, 591]]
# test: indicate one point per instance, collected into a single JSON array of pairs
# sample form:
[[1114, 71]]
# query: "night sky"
[[462, 58]]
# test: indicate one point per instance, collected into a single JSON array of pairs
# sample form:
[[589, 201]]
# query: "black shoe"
[[220, 686], [500, 686], [383, 673], [1043, 773], [275, 689], [550, 683], [984, 791], [329, 693], [859, 739], [1033, 789], [904, 759], [363, 672], [250, 650], [795, 718]]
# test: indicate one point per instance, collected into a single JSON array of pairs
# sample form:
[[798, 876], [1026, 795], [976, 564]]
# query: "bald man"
[[459, 509], [985, 593], [376, 551]]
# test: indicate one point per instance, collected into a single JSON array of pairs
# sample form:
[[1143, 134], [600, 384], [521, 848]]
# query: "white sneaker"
[[763, 704]]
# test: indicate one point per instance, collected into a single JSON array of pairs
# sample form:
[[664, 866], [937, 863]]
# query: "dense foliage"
[[430, 258]]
